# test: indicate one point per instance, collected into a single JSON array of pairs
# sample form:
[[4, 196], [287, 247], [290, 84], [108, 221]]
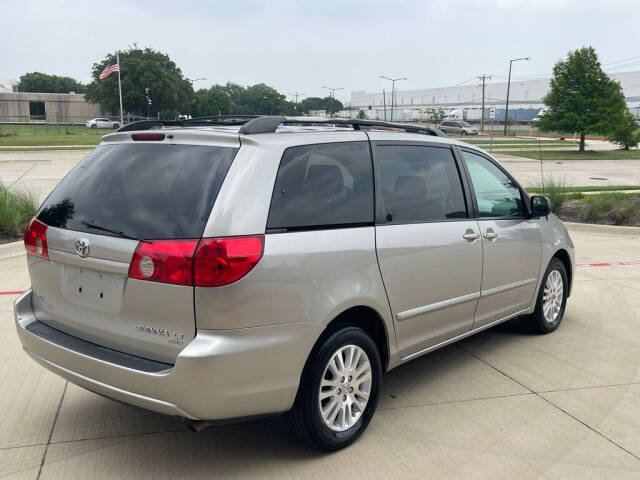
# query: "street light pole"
[[506, 113], [194, 80], [332, 97], [393, 90]]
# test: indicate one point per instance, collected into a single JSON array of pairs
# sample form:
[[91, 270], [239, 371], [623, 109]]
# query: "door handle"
[[471, 235], [490, 235]]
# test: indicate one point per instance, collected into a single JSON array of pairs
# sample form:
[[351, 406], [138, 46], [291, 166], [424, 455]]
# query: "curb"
[[602, 229]]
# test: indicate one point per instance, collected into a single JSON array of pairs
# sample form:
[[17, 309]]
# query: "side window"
[[328, 184], [418, 184], [497, 195]]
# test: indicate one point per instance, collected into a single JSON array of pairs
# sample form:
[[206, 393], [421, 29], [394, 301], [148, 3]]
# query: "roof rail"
[[269, 124], [217, 120], [251, 124]]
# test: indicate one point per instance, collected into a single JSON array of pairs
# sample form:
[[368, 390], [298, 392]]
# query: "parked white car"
[[102, 123]]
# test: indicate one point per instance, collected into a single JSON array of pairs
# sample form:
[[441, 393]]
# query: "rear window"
[[142, 190], [323, 186]]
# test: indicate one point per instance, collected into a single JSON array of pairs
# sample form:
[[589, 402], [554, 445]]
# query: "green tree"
[[583, 98], [259, 99], [327, 104], [141, 69], [45, 83], [212, 101], [627, 132]]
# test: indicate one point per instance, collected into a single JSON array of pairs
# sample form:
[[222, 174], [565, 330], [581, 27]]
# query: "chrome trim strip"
[[436, 306], [461, 336], [509, 286]]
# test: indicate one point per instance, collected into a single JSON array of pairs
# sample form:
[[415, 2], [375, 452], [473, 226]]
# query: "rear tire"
[[552, 299], [116, 126], [338, 391]]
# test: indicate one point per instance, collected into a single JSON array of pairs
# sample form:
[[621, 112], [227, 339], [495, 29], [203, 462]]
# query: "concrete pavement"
[[503, 404]]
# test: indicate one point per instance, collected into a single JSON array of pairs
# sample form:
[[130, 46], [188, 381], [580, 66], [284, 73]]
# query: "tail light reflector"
[[35, 239], [221, 261], [164, 261]]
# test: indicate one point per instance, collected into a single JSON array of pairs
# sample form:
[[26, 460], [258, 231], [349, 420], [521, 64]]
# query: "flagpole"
[[119, 88]]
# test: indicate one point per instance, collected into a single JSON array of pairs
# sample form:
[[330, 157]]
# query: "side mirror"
[[540, 206]]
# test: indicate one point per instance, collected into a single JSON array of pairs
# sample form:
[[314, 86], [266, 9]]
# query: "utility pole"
[[393, 90], [296, 95], [506, 113], [332, 97], [384, 103], [483, 78]]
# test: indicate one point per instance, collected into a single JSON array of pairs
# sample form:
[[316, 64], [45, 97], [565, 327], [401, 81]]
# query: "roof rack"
[[252, 124], [269, 124], [217, 120]]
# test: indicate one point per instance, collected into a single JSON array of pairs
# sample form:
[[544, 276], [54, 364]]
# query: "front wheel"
[[552, 299], [338, 391], [116, 126], [464, 133]]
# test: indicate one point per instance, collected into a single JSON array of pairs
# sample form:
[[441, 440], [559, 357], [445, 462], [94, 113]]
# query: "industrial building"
[[46, 107], [525, 99]]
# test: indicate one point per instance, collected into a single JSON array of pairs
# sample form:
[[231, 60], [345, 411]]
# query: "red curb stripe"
[[608, 264], [12, 292]]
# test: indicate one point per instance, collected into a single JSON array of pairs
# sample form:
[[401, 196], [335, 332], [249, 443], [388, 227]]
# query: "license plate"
[[98, 291]]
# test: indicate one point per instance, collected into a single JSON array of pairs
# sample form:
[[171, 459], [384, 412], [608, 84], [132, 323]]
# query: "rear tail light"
[[165, 261], [210, 262], [221, 261], [35, 239]]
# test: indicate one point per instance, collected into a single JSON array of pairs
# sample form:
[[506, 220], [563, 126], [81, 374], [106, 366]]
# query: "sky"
[[304, 45]]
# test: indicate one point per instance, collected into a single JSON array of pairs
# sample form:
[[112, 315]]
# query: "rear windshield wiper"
[[115, 232]]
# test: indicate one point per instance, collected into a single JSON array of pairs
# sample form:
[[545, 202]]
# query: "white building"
[[525, 99], [7, 85]]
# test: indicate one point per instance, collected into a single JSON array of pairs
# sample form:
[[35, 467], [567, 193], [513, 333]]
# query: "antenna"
[[540, 156]]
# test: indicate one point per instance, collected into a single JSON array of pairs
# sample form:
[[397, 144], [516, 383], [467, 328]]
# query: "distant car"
[[102, 123], [458, 127]]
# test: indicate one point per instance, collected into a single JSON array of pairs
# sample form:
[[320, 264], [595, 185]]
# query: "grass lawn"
[[518, 142], [28, 135], [575, 155], [595, 188]]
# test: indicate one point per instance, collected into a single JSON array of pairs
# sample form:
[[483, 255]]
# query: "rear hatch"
[[121, 199]]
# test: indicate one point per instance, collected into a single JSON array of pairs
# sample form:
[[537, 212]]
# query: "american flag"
[[111, 67]]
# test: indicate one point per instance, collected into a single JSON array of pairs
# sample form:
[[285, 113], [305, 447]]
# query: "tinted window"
[[418, 184], [497, 195], [328, 184], [143, 190]]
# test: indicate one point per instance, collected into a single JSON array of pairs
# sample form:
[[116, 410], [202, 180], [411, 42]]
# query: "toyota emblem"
[[82, 247]]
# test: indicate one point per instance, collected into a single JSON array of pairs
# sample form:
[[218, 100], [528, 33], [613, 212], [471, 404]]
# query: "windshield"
[[140, 190], [465, 124]]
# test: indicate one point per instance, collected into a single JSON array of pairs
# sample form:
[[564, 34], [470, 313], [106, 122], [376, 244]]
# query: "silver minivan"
[[457, 127], [229, 268]]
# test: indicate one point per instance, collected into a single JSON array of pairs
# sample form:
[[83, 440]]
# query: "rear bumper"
[[220, 375]]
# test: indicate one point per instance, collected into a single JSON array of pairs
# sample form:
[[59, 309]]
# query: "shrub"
[[16, 209], [555, 189], [612, 208]]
